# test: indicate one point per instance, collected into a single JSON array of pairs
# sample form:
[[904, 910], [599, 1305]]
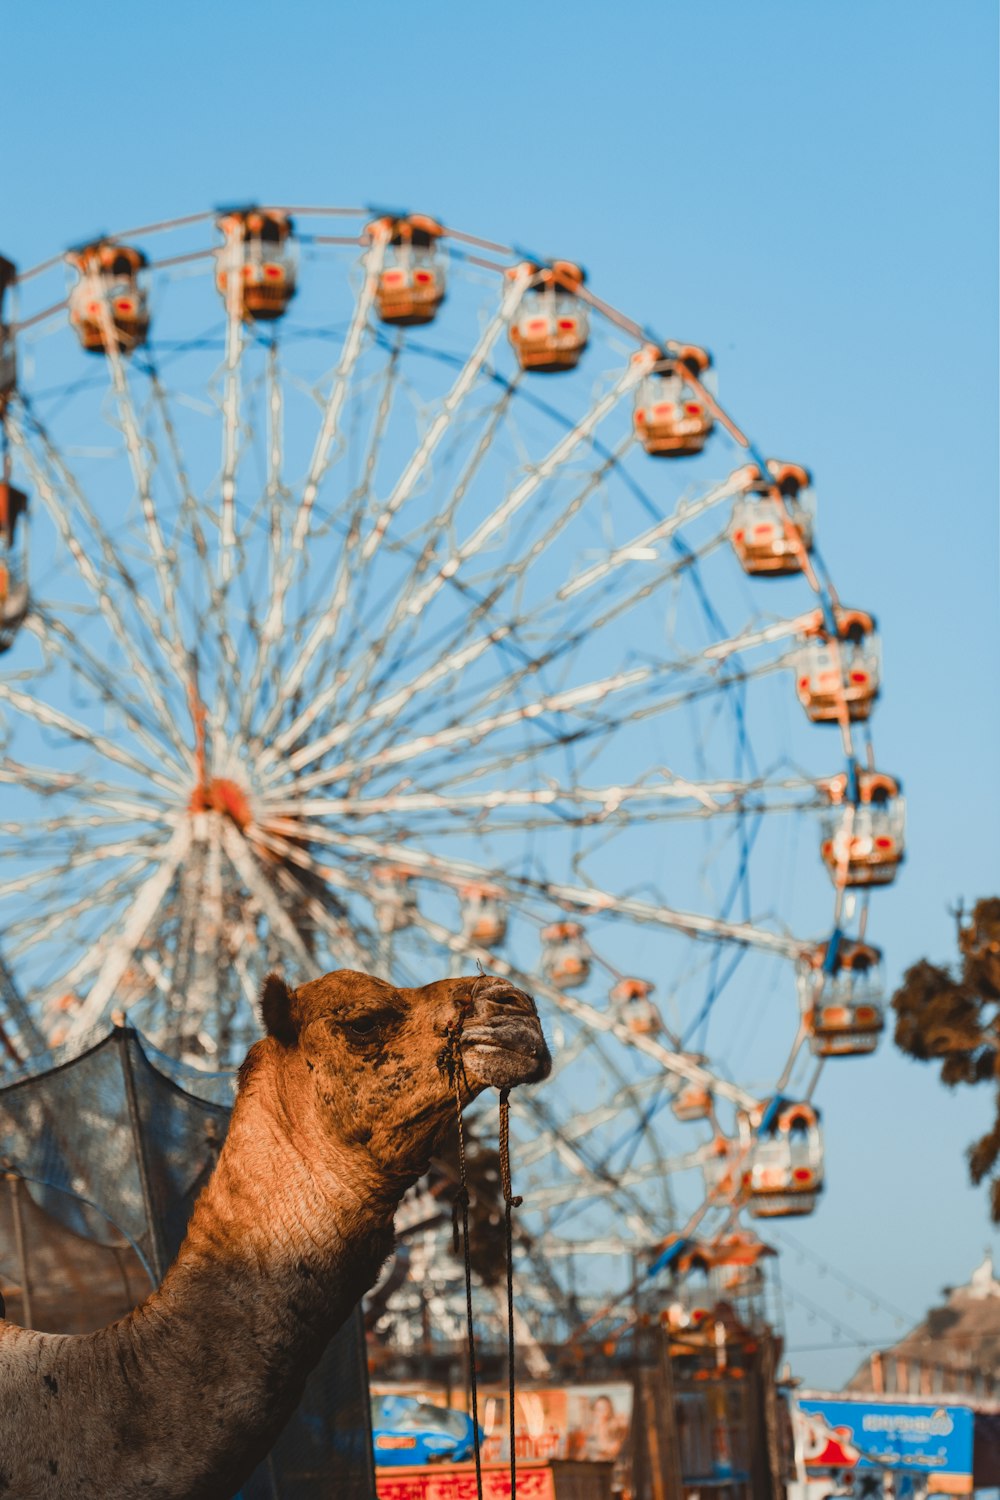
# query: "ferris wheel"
[[395, 603]]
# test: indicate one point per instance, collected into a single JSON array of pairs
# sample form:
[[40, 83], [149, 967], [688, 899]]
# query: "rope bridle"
[[460, 1211]]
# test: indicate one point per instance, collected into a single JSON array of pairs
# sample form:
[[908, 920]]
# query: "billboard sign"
[[876, 1434]]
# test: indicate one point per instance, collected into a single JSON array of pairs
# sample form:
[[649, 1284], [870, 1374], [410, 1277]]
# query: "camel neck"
[[282, 1245], [274, 1212]]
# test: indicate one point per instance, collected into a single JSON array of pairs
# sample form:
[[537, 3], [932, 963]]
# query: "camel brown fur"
[[338, 1111]]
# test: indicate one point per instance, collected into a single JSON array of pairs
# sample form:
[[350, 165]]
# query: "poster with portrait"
[[588, 1422]]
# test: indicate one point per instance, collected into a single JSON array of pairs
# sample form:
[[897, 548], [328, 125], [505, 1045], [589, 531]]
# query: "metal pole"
[[673, 1478], [157, 1253], [15, 1184]]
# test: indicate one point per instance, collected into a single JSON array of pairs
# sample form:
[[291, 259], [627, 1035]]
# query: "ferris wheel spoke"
[[157, 737], [456, 654], [74, 862], [642, 544], [616, 819], [312, 898], [52, 718], [274, 623], [261, 889], [581, 700], [137, 455], [589, 1178], [590, 731], [116, 799], [155, 684], [270, 765], [449, 407], [26, 934], [440, 526], [188, 517], [324, 632], [625, 1100], [452, 660], [330, 429], [544, 1199], [451, 663], [402, 491], [469, 734], [618, 557], [232, 266], [580, 899], [778, 630], [581, 432], [277, 494], [188, 525], [121, 950]]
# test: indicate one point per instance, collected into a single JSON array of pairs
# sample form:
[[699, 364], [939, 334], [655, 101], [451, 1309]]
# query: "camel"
[[339, 1109]]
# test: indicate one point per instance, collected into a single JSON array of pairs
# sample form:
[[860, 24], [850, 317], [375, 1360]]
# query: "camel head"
[[380, 1065]]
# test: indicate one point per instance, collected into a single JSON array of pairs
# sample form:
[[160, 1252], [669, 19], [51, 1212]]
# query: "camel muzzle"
[[502, 1041]]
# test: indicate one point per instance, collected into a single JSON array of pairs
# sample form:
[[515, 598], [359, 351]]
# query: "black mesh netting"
[[105, 1156]]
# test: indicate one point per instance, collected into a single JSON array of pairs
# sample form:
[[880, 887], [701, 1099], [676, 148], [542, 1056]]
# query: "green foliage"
[[952, 1015]]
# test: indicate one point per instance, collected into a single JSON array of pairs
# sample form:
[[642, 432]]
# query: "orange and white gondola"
[[772, 522], [863, 844], [411, 283], [842, 1004], [838, 673], [550, 328], [259, 253], [566, 956], [630, 998], [108, 302], [484, 915], [785, 1170], [671, 418], [394, 900]]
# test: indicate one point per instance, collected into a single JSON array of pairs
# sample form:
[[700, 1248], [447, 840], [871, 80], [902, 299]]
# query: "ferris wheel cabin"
[[13, 562], [411, 284], [863, 844], [838, 673], [107, 305], [709, 1274], [693, 1101], [550, 328], [671, 419], [771, 529], [484, 916], [259, 252], [394, 900], [630, 998], [842, 1006], [565, 960], [786, 1164]]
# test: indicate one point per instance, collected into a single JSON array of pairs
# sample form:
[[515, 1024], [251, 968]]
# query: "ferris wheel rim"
[[570, 899]]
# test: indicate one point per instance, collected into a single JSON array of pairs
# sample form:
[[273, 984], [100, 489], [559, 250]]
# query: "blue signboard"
[[874, 1434]]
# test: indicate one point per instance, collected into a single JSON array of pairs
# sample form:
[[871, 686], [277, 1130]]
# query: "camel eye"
[[363, 1025]]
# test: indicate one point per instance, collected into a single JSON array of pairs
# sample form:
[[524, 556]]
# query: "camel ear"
[[276, 1010]]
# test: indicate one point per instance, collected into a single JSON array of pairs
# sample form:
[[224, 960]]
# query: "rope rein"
[[510, 1202], [460, 1216]]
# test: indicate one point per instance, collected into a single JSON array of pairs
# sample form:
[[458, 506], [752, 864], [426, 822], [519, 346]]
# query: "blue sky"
[[808, 190]]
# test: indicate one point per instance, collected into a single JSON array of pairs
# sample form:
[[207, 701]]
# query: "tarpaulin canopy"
[[104, 1156]]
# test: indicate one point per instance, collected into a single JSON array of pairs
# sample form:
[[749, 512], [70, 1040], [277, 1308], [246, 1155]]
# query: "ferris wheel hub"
[[221, 795]]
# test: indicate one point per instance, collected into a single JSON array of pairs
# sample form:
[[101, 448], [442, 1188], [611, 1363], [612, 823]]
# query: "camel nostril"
[[505, 997]]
